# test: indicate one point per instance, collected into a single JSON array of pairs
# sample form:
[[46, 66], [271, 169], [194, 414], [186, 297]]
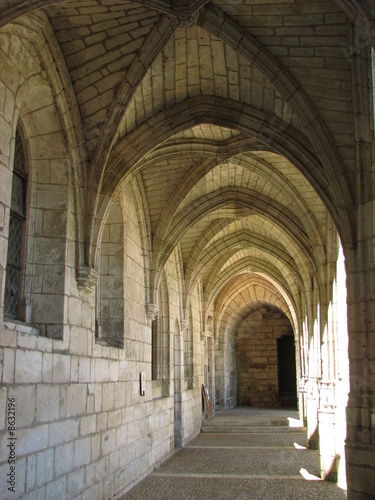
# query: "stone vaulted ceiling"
[[233, 120]]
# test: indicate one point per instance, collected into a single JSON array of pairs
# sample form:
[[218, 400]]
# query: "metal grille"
[[16, 222], [11, 296], [11, 292], [19, 157], [18, 194], [13, 267], [14, 241]]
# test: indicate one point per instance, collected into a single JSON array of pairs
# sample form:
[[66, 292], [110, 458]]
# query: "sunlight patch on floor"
[[309, 477], [294, 422]]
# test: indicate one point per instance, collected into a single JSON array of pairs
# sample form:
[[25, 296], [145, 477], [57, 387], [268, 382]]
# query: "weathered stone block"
[[95, 447], [25, 404], [101, 370], [64, 459], [102, 422], [108, 401], [88, 425], [28, 367], [82, 452], [30, 472], [108, 441], [79, 340], [32, 440], [57, 489], [76, 482], [8, 366], [84, 371], [114, 418], [61, 368], [47, 403], [76, 399]]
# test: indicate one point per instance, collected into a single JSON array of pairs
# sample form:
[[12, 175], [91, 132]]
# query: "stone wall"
[[237, 155], [81, 425], [257, 363]]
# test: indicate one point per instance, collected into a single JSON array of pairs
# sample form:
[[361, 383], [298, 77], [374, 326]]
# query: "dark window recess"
[[154, 341], [16, 227], [287, 370]]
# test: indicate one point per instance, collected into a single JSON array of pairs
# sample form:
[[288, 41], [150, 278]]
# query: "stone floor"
[[245, 453]]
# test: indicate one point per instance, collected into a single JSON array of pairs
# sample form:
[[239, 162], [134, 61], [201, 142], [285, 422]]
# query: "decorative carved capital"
[[151, 312], [87, 277], [210, 324], [222, 159], [188, 20]]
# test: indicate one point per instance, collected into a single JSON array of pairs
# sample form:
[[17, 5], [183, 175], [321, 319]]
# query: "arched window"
[[189, 353], [16, 233]]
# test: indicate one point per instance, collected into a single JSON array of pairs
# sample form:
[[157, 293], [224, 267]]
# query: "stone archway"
[[262, 373]]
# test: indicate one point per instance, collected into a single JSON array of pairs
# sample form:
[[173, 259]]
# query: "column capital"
[[87, 277], [151, 312]]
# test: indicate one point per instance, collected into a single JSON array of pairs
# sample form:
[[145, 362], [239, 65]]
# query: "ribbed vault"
[[230, 142], [237, 170], [217, 161]]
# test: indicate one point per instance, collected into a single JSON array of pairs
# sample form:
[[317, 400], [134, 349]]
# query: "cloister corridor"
[[187, 199], [246, 452]]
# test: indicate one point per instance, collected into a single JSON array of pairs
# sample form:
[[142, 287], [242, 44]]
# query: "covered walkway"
[[242, 453], [187, 198]]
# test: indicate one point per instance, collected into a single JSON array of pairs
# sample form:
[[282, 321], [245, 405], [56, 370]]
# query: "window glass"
[[16, 228]]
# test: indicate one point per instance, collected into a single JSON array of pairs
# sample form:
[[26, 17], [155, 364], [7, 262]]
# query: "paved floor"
[[246, 453]]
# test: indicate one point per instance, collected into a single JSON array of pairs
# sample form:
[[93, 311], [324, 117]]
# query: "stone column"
[[360, 443], [312, 405], [360, 450]]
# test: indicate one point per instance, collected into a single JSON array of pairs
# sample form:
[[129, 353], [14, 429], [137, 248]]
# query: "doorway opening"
[[286, 360]]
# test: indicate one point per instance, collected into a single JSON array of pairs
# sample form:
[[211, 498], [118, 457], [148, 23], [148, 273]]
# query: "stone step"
[[252, 424], [262, 439], [250, 429], [222, 422]]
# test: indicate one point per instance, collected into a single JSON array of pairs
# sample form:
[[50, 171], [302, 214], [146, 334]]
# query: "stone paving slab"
[[242, 461], [258, 465], [248, 440], [241, 429], [224, 488]]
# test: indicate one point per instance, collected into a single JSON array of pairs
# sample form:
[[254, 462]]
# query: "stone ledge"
[[20, 327]]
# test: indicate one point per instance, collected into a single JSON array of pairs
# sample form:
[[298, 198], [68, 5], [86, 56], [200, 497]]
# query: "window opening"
[[16, 230]]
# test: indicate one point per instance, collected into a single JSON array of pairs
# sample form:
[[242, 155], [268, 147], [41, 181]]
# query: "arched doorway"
[[266, 367]]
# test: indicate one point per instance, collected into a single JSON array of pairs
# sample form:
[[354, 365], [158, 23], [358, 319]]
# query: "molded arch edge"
[[22, 7], [229, 31], [270, 131], [37, 29], [220, 199], [127, 155]]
